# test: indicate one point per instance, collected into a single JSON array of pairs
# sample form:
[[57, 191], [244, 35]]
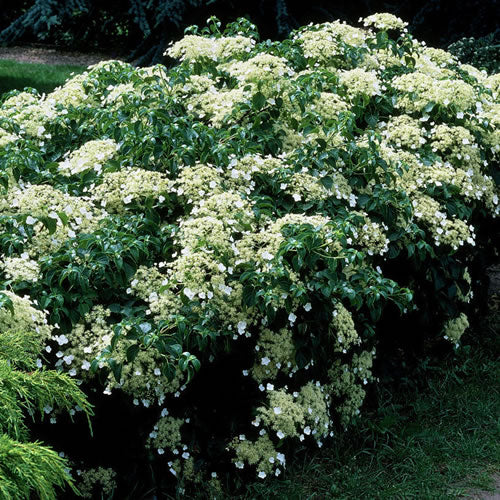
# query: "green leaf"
[[437, 278], [4, 180], [196, 363], [116, 369], [132, 352], [49, 223], [6, 302], [429, 107], [175, 350], [258, 100], [249, 298], [63, 217]]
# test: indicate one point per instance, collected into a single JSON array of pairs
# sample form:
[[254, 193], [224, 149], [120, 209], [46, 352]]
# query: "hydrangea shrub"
[[226, 242]]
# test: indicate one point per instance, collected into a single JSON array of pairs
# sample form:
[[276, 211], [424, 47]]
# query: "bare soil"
[[49, 55], [485, 495]]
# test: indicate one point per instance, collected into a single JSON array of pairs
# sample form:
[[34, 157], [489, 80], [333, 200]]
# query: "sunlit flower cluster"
[[384, 21], [20, 268], [130, 185], [193, 47], [306, 187], [118, 94], [72, 93], [92, 155], [262, 68], [325, 42], [6, 137], [360, 82], [32, 113], [27, 317], [197, 182], [418, 90], [216, 103], [329, 105], [404, 131], [71, 215], [28, 112]]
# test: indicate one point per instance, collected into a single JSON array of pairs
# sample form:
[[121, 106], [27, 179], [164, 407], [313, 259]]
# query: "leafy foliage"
[[245, 241], [482, 52]]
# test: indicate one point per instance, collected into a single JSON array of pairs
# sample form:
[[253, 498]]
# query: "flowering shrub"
[[227, 243]]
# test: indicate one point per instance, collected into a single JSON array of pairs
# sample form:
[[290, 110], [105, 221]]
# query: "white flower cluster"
[[6, 137], [455, 328], [71, 214], [98, 479], [119, 189], [72, 93], [193, 47], [27, 316], [360, 82], [32, 113], [384, 21], [418, 90], [92, 155], [276, 354], [325, 42], [303, 414], [28, 112], [445, 230], [259, 69], [348, 380], [20, 268]]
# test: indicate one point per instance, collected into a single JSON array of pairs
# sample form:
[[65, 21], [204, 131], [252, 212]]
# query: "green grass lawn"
[[43, 77]]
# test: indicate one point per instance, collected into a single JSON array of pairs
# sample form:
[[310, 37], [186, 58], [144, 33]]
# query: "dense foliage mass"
[[233, 244], [483, 53]]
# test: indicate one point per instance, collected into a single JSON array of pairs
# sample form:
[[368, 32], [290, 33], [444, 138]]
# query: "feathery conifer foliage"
[[29, 467]]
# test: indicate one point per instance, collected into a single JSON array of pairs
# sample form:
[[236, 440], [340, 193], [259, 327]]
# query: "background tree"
[[141, 29]]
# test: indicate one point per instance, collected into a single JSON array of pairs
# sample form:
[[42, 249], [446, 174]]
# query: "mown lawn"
[[43, 77]]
